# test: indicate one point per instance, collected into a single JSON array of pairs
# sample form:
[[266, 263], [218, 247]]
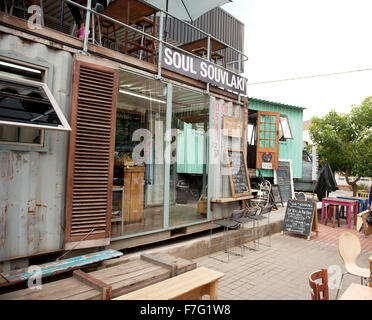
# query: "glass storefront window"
[[139, 155], [189, 157]]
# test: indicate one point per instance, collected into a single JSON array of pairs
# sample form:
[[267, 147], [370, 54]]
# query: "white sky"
[[294, 38]]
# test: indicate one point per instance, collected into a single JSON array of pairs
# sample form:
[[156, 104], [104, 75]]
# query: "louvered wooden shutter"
[[90, 159]]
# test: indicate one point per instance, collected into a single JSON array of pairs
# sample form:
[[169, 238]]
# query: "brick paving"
[[280, 272], [330, 235]]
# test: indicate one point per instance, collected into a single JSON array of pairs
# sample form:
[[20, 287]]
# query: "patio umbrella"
[[188, 10]]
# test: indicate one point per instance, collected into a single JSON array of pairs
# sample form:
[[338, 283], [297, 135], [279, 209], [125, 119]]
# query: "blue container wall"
[[291, 149]]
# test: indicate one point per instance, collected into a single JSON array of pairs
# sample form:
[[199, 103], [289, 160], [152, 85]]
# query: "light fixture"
[[140, 96], [17, 66]]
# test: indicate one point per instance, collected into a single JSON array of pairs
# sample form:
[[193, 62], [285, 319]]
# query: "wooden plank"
[[94, 283], [56, 267], [125, 277], [226, 200], [177, 287], [161, 262]]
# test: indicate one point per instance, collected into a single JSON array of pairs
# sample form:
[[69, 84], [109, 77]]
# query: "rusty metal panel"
[[32, 185]]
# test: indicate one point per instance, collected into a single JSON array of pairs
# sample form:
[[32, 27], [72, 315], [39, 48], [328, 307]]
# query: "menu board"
[[283, 178], [238, 173], [277, 194], [299, 217]]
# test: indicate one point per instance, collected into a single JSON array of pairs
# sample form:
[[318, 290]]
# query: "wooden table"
[[357, 292], [341, 202], [199, 47], [363, 202], [129, 12], [190, 285]]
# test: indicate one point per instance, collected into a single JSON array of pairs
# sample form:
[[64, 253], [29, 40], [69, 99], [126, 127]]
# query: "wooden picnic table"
[[357, 292]]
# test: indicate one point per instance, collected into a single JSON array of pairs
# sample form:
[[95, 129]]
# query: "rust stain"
[[3, 231], [26, 42], [31, 207]]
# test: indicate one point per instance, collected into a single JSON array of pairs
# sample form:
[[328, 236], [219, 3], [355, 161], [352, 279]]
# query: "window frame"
[[65, 125], [48, 72], [281, 131]]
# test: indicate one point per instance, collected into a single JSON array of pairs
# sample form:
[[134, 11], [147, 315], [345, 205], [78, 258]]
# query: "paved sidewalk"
[[280, 271]]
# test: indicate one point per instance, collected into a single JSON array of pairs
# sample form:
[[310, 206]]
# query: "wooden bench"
[[190, 285]]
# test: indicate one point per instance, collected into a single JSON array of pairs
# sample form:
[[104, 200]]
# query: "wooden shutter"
[[90, 158], [267, 140]]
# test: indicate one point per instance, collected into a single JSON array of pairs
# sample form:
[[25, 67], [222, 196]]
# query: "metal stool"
[[106, 39], [260, 217], [246, 219], [227, 224], [335, 216]]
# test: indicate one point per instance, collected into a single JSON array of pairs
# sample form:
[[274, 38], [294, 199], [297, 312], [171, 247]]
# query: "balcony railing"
[[93, 19]]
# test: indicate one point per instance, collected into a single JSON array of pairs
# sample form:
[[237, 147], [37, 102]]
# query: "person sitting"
[[97, 5]]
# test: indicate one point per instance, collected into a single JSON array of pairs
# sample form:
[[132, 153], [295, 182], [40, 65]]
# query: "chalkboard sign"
[[299, 217], [283, 178], [238, 173], [277, 194]]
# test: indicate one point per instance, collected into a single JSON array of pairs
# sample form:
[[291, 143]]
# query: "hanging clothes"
[[326, 181]]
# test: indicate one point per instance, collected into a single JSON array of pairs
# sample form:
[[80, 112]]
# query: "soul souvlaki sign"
[[200, 69]]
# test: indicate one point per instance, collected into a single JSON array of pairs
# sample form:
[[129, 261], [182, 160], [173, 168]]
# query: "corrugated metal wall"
[[216, 22], [32, 186], [291, 148]]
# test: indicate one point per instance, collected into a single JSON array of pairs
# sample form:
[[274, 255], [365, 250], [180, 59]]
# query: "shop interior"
[[141, 202]]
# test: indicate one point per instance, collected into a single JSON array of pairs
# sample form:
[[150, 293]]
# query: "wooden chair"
[[319, 291], [349, 249]]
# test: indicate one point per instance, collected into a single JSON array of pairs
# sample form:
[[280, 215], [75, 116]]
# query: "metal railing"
[[241, 56]]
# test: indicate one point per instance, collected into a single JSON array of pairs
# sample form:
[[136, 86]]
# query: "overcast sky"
[[296, 38]]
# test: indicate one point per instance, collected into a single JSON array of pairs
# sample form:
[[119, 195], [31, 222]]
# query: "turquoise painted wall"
[[291, 148], [189, 150]]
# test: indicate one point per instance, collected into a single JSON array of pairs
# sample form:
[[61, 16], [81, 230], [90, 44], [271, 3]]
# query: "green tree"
[[345, 140]]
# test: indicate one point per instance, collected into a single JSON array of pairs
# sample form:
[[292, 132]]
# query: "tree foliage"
[[345, 140]]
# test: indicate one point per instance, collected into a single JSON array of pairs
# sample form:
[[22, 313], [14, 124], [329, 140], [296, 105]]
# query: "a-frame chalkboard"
[[238, 173], [301, 218]]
